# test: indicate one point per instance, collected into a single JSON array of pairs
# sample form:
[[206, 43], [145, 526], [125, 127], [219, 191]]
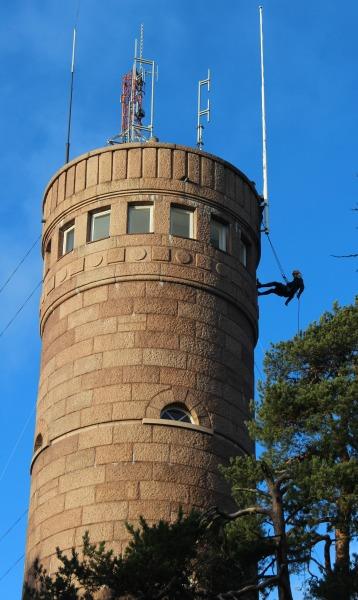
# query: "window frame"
[[243, 249], [180, 408], [39, 442], [92, 218], [65, 230], [225, 228], [47, 256], [141, 206], [190, 211]]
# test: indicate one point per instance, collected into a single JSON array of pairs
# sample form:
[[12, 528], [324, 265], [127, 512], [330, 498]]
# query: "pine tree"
[[308, 416], [303, 490], [183, 560]]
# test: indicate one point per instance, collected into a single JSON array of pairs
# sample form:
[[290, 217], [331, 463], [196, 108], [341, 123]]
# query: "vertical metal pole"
[[67, 156], [199, 138], [152, 101], [141, 41], [202, 112], [264, 139]]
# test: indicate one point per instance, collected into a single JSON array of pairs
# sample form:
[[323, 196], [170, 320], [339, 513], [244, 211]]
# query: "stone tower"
[[149, 322]]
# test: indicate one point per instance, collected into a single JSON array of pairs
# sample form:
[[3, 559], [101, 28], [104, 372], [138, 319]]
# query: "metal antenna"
[[264, 150], [132, 98], [133, 93], [67, 157], [202, 112], [141, 41]]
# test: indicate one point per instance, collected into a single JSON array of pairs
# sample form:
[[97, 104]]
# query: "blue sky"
[[312, 116]]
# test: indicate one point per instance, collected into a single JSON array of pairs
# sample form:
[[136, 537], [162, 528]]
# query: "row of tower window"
[[140, 220]]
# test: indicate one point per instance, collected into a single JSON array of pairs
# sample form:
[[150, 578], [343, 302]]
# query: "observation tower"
[[148, 322]]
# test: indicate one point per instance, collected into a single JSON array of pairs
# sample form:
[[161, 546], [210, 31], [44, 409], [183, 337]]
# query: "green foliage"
[[309, 398], [304, 488], [61, 588], [225, 560], [308, 419], [246, 475], [97, 567], [336, 584], [183, 560], [161, 555], [272, 520]]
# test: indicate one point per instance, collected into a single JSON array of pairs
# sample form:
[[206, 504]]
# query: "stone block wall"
[[132, 324]]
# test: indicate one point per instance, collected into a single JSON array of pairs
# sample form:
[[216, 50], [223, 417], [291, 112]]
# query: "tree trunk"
[[342, 550], [342, 531], [284, 585]]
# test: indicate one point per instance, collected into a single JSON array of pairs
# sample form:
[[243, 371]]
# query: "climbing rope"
[[277, 258], [298, 316], [286, 280]]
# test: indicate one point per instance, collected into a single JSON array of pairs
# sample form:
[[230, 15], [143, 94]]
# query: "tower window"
[[140, 218], [47, 256], [38, 442], [67, 238], [219, 234], [243, 253], [176, 412], [99, 225], [181, 222]]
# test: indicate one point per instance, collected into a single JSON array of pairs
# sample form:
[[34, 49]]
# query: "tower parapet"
[[149, 320]]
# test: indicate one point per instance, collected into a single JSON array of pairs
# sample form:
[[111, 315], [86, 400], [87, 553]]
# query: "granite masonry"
[[148, 339]]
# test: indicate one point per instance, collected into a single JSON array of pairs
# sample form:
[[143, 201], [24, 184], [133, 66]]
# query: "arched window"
[[176, 412], [38, 442]]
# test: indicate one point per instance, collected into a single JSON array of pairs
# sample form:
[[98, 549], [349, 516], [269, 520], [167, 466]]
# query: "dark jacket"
[[296, 285]]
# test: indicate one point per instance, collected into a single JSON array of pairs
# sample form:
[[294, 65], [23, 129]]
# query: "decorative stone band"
[[145, 421]]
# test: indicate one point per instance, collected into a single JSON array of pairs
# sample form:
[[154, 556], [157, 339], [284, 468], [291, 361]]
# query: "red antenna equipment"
[[132, 100]]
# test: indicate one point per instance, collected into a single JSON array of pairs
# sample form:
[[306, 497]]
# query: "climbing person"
[[285, 290]]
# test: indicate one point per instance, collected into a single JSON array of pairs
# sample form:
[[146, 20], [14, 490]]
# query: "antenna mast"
[[264, 150], [67, 156], [202, 112], [132, 98]]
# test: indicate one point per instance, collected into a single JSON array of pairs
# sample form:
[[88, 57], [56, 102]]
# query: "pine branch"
[[166, 589], [284, 477], [263, 574], [234, 594], [321, 567], [253, 491], [251, 510]]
